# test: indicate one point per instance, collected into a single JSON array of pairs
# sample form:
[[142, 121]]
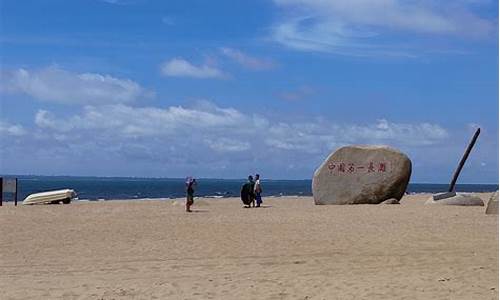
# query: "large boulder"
[[457, 199], [361, 175], [492, 206]]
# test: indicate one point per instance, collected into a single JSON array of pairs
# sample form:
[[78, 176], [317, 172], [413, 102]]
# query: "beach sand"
[[289, 249]]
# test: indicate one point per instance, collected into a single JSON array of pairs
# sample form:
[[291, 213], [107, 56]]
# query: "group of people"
[[251, 192]]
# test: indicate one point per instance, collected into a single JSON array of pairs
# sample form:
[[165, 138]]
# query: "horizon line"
[[182, 178]]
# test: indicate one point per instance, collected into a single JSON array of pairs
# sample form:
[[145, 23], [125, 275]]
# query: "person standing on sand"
[[257, 190], [251, 193], [247, 195], [190, 184]]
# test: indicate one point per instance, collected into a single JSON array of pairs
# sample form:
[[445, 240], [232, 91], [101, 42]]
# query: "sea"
[[109, 188]]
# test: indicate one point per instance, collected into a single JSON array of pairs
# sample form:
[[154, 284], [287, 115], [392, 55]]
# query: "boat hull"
[[58, 196]]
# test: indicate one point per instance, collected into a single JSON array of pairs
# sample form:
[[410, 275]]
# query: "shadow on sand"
[[199, 210], [262, 206]]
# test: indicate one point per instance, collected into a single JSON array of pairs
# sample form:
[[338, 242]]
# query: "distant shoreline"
[[31, 176], [94, 188]]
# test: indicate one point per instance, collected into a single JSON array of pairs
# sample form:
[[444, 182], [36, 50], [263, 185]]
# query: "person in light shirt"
[[257, 189]]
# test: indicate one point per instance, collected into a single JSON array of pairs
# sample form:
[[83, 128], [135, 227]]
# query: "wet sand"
[[289, 249]]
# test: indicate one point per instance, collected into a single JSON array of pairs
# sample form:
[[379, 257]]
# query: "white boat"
[[52, 197]]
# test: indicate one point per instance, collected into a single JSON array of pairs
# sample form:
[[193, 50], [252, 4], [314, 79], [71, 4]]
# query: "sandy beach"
[[289, 249]]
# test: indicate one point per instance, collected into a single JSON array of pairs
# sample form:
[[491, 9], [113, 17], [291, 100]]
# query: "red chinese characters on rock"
[[373, 167]]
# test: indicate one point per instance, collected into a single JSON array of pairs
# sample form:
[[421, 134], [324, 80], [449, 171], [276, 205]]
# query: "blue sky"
[[227, 88]]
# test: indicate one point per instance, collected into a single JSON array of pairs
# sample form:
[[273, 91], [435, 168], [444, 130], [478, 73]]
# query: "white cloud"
[[247, 61], [178, 67], [229, 130], [206, 138], [126, 121], [54, 84], [409, 134], [364, 27], [11, 130], [322, 136]]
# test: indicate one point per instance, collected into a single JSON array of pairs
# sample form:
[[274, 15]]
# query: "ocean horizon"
[[109, 188]]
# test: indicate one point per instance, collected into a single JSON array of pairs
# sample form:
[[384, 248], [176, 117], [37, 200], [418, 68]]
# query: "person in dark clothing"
[[247, 193], [190, 184]]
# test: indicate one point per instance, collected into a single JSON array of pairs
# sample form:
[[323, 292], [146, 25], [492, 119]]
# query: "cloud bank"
[[203, 137], [53, 84], [212, 123]]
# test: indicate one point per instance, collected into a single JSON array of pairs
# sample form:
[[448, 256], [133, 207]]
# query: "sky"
[[223, 89]]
